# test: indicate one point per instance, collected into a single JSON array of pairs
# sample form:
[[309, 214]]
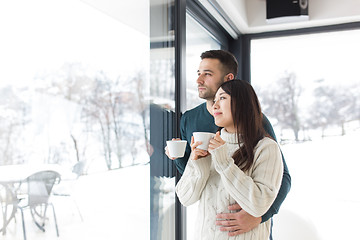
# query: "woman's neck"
[[230, 129]]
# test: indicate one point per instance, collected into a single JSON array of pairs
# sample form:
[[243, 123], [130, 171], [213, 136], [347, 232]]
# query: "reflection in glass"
[[162, 119], [309, 88], [198, 40]]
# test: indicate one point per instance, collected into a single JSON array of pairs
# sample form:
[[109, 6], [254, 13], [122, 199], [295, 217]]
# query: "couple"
[[242, 169]]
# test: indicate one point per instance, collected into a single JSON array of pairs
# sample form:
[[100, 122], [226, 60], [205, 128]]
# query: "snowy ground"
[[323, 204], [324, 201], [113, 205]]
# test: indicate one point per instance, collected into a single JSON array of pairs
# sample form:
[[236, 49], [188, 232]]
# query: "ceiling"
[[245, 16], [249, 16]]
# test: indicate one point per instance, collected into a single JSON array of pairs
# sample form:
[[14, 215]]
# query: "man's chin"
[[205, 97], [202, 96]]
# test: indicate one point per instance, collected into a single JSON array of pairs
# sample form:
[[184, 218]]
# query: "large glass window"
[[198, 40], [74, 84], [162, 119], [309, 87]]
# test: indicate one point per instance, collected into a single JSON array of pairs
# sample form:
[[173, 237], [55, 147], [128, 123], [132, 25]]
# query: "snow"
[[113, 205], [324, 198], [323, 203]]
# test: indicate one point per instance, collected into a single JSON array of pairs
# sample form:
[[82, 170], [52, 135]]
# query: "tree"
[[13, 119], [111, 109], [142, 106], [334, 105], [280, 101], [73, 83]]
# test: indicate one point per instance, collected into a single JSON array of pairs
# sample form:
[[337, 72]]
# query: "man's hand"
[[238, 222], [167, 150]]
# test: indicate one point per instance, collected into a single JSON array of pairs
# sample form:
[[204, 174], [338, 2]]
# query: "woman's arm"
[[193, 181], [254, 193]]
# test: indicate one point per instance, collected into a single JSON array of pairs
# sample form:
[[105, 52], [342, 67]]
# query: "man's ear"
[[229, 76]]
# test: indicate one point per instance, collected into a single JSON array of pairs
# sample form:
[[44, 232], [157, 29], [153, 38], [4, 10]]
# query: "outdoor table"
[[11, 177]]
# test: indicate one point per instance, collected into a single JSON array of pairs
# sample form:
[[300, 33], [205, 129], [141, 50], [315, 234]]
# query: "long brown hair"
[[247, 118]]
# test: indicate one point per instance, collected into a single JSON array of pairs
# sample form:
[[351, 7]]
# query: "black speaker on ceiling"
[[286, 8]]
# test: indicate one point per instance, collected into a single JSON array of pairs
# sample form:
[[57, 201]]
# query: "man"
[[216, 67]]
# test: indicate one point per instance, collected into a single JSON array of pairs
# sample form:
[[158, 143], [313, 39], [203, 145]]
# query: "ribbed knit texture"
[[217, 182]]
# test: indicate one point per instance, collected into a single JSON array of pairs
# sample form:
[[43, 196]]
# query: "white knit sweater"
[[217, 182]]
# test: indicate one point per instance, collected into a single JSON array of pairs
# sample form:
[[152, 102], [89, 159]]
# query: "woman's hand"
[[196, 152], [216, 142]]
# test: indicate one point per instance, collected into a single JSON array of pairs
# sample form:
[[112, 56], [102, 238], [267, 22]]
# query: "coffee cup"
[[204, 138], [176, 148]]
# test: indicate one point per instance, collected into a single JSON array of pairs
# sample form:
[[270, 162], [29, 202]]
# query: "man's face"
[[210, 77]]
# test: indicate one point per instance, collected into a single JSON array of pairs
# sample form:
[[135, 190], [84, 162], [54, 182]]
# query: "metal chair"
[[39, 187]]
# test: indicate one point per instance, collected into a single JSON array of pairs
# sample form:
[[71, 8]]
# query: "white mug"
[[176, 148], [204, 138]]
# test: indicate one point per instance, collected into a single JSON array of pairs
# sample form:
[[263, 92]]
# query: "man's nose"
[[200, 79]]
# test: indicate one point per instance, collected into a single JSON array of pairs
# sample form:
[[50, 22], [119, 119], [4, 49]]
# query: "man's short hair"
[[226, 58]]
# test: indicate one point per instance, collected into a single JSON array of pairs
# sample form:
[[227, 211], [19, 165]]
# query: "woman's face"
[[222, 111]]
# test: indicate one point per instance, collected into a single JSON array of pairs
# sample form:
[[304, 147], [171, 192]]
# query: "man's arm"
[[286, 180], [180, 163]]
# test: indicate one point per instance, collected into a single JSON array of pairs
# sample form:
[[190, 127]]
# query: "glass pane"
[[74, 98], [162, 117], [198, 40], [309, 88]]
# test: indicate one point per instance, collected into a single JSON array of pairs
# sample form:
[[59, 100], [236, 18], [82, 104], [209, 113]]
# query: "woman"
[[241, 165]]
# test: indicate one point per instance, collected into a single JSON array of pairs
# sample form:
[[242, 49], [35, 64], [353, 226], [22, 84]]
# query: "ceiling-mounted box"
[[280, 11]]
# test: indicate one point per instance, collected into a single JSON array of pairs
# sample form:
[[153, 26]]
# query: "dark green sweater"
[[199, 119]]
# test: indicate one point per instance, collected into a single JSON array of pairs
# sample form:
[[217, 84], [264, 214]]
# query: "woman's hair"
[[247, 118]]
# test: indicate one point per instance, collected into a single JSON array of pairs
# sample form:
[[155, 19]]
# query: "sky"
[[329, 56], [41, 35]]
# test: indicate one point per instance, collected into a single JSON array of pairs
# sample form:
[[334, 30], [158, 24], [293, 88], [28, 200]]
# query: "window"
[[162, 119], [309, 88], [198, 40], [75, 88]]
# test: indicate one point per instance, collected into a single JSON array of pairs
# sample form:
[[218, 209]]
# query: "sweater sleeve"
[[254, 193], [193, 181]]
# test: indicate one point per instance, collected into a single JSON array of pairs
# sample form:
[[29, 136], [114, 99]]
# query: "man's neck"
[[209, 104]]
